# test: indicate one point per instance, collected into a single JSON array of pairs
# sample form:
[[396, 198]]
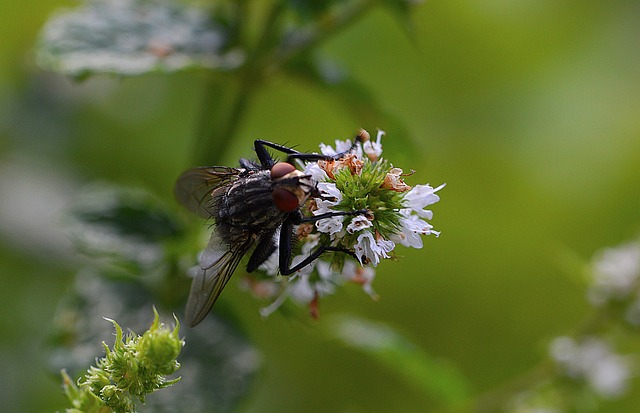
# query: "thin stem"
[[226, 97], [224, 103], [496, 399]]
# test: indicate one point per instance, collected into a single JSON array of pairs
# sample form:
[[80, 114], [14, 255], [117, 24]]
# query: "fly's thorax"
[[247, 204]]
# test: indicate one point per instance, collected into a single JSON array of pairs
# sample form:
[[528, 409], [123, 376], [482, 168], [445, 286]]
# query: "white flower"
[[358, 223], [303, 290], [594, 361], [616, 272], [317, 174], [341, 146], [411, 229], [331, 197], [371, 249], [419, 197], [364, 276], [331, 225], [374, 149]]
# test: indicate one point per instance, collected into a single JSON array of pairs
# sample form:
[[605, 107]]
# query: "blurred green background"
[[528, 110]]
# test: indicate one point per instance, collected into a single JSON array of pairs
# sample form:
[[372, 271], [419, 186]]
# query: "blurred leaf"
[[124, 227], [128, 213], [217, 366], [402, 10], [308, 9], [436, 378], [133, 37]]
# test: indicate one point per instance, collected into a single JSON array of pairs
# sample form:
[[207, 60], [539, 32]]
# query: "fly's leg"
[[286, 239], [267, 160], [266, 246]]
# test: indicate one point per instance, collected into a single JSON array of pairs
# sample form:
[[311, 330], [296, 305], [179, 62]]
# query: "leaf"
[[402, 10], [125, 227], [128, 212], [310, 9], [434, 377], [134, 37]]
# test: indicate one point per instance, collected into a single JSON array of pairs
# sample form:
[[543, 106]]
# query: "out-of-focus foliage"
[[527, 110], [132, 37]]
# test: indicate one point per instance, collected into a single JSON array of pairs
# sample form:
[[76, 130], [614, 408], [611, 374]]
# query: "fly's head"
[[291, 187]]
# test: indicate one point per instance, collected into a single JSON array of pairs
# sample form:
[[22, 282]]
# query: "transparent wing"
[[194, 188], [217, 264]]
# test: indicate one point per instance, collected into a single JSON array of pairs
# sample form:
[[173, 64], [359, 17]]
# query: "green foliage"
[[133, 37], [526, 109], [436, 378]]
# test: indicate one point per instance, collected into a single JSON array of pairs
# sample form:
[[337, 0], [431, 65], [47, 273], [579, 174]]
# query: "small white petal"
[[358, 223], [330, 225], [317, 174], [370, 248], [616, 273], [419, 197], [329, 190], [364, 276], [327, 149]]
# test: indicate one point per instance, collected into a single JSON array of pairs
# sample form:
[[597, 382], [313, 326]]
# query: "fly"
[[248, 206]]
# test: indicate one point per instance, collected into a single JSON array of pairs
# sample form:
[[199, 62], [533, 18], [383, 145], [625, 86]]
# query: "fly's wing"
[[217, 264], [194, 188]]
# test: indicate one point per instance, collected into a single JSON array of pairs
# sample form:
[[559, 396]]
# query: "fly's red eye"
[[281, 169], [285, 200]]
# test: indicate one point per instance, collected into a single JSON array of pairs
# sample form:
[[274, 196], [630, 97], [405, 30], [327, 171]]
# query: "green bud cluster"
[[365, 191], [135, 367]]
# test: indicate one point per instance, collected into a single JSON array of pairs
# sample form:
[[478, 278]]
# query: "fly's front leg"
[[314, 157], [286, 239], [266, 160]]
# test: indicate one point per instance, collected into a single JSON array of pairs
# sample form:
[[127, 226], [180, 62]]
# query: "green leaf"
[[125, 228], [309, 9], [129, 213], [434, 377], [134, 37], [402, 10]]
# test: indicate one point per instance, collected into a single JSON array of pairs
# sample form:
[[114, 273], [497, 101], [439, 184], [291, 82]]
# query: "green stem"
[[226, 98], [223, 105], [496, 399]]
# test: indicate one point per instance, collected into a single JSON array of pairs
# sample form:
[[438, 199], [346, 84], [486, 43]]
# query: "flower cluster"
[[592, 360], [616, 280], [391, 213], [136, 366]]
